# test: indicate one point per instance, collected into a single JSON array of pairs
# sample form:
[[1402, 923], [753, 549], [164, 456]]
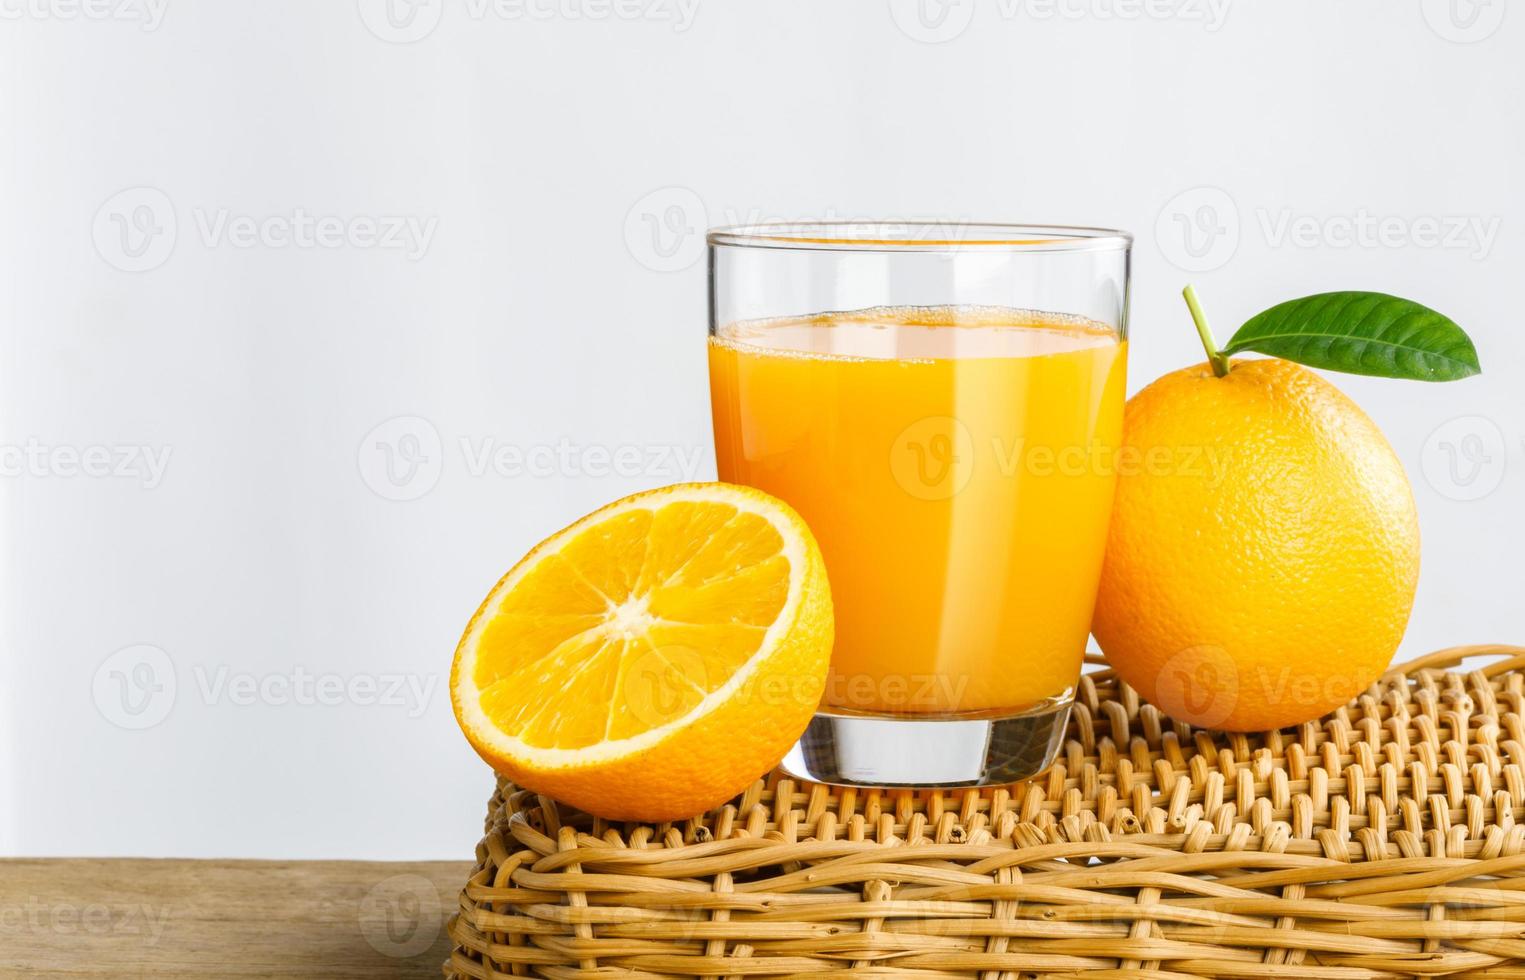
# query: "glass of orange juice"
[[942, 403]]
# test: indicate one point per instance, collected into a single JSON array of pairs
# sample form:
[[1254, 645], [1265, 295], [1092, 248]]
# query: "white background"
[[166, 634]]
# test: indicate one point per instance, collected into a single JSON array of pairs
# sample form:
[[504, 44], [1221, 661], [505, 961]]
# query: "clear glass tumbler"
[[943, 405]]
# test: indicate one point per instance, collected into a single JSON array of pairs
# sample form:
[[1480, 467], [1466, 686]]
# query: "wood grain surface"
[[173, 918]]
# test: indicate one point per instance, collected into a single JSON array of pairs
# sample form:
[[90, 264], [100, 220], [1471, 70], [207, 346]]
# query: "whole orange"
[[1264, 548]]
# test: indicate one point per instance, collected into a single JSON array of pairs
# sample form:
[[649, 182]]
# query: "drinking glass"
[[942, 403]]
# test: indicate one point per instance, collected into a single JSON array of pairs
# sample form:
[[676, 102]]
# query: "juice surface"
[[956, 465]]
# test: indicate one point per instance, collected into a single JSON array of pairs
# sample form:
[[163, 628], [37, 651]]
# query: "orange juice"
[[956, 466]]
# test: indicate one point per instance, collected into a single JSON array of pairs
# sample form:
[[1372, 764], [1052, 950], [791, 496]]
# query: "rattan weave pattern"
[[1380, 841]]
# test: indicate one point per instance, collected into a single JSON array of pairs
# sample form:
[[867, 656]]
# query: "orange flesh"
[[631, 625]]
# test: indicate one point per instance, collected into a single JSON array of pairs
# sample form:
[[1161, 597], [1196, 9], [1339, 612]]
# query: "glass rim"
[[922, 235]]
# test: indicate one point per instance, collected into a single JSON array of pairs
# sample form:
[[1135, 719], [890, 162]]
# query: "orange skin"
[[1261, 570]]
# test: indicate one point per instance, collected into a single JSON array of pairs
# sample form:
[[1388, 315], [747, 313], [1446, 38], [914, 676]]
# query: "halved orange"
[[651, 660]]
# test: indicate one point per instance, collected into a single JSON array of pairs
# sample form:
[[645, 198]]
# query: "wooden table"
[[172, 918]]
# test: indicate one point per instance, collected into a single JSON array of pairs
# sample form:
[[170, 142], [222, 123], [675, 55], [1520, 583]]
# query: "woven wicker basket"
[[1378, 842]]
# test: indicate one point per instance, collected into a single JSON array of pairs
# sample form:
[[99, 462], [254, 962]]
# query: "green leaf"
[[1361, 333]]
